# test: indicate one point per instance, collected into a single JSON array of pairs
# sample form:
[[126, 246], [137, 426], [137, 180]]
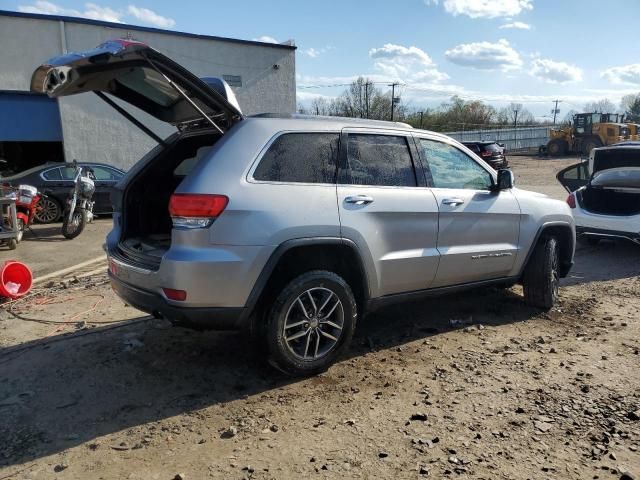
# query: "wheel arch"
[[297, 256], [565, 235]]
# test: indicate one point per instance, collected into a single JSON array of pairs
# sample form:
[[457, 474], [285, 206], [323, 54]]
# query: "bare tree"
[[601, 106]]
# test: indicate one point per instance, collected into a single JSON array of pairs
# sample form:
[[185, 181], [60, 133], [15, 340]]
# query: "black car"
[[55, 180], [493, 153]]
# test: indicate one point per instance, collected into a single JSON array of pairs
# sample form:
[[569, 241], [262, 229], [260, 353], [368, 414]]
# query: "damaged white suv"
[[295, 227]]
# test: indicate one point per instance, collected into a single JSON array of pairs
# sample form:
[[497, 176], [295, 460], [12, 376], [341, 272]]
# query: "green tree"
[[630, 104]]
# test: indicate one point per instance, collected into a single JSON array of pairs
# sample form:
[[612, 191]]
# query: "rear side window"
[[473, 148], [379, 160], [53, 174], [300, 158]]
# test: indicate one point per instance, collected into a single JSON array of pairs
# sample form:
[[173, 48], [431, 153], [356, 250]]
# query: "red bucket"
[[15, 279]]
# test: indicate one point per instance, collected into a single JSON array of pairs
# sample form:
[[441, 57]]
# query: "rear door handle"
[[359, 199], [453, 201]]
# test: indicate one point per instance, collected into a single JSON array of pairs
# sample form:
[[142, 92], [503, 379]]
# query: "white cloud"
[[555, 72], [97, 12], [406, 63], [149, 16], [485, 55], [91, 10], [516, 25], [484, 8], [265, 39], [305, 96], [626, 74], [316, 52]]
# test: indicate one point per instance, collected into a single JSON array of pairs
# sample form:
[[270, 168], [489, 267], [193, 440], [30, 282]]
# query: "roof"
[[479, 142], [100, 23], [330, 119], [622, 145]]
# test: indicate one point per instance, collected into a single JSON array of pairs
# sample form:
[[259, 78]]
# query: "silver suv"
[[295, 227]]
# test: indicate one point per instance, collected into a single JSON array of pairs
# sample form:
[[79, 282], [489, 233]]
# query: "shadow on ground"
[[64, 391], [609, 260], [45, 234]]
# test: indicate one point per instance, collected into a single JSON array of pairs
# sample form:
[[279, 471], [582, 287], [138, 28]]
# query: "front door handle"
[[359, 199], [453, 201]]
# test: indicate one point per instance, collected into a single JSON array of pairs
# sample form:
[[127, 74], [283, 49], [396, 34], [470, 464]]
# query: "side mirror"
[[506, 179]]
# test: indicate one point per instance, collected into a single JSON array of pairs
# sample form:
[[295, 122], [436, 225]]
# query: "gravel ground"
[[471, 386]]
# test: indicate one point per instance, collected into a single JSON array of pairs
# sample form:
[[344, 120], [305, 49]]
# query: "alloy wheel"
[[48, 211], [313, 323]]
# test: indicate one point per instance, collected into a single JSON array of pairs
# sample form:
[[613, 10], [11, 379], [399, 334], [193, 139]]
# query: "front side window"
[[105, 174], [68, 173], [300, 158], [451, 168], [379, 160]]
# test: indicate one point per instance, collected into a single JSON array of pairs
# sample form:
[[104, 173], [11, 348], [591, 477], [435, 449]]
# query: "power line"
[[437, 93]]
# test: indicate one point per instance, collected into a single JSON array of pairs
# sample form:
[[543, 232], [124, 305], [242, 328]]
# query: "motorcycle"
[[79, 206], [27, 199]]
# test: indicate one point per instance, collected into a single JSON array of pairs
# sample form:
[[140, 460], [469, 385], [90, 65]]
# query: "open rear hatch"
[[614, 182], [137, 74]]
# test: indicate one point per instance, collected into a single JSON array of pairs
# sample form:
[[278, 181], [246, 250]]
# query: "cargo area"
[[146, 232], [610, 202]]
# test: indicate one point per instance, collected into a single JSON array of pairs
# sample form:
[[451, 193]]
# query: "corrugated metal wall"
[[515, 139]]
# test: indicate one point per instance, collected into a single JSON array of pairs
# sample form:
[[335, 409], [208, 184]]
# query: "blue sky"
[[529, 51]]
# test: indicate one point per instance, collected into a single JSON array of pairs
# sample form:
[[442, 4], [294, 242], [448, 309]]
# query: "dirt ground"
[[471, 386], [45, 250]]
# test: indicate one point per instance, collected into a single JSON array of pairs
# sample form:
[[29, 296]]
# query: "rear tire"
[[75, 228], [590, 144], [311, 323], [48, 210], [556, 147], [541, 278]]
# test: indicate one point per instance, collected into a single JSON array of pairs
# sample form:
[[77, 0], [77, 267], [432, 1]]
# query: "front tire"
[[541, 279], [556, 147], [20, 233], [311, 323], [71, 230]]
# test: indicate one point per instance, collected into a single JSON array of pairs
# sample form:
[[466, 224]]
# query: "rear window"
[[492, 147], [300, 158]]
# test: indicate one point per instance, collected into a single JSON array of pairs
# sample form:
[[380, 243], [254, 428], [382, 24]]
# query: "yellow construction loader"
[[586, 132], [634, 131]]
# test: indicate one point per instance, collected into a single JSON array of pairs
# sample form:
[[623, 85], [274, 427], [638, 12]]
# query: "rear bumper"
[[603, 233], [202, 318], [497, 162]]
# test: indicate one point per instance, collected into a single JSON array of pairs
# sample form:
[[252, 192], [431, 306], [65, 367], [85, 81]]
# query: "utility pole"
[[393, 97], [366, 97], [421, 114], [556, 111]]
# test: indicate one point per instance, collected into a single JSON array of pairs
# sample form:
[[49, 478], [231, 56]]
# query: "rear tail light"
[[571, 200], [486, 153], [172, 294], [196, 210]]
